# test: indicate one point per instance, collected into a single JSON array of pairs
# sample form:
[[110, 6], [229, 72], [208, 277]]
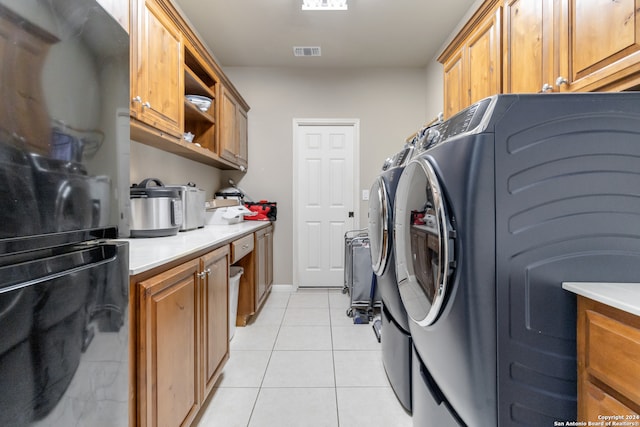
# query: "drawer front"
[[599, 404], [241, 247], [613, 353]]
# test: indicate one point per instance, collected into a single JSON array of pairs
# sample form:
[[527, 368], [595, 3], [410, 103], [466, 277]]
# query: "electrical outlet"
[[365, 195]]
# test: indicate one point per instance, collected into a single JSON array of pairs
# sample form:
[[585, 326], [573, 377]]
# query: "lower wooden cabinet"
[[608, 363], [182, 341], [215, 318], [169, 335], [257, 279], [264, 255]]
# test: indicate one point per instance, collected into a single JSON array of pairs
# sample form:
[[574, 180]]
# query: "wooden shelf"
[[152, 137], [191, 112], [194, 86]]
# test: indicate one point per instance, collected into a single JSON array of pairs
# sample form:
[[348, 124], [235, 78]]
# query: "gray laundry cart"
[[358, 274]]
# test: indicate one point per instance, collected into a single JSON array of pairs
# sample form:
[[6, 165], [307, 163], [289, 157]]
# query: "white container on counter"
[[226, 215]]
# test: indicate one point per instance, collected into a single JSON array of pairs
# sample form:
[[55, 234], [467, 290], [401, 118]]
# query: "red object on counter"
[[266, 211]]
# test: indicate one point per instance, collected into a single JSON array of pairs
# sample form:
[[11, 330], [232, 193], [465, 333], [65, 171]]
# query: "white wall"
[[150, 162], [388, 102], [434, 101]]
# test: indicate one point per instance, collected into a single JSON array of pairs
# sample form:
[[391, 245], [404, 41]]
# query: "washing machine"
[[395, 337], [512, 197]]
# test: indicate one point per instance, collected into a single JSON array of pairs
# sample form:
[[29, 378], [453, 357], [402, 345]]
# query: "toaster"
[[193, 205]]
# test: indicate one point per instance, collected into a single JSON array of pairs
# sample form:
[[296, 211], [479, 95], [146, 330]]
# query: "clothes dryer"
[[395, 336], [514, 195]]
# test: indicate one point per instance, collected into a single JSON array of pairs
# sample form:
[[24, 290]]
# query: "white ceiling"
[[372, 33]]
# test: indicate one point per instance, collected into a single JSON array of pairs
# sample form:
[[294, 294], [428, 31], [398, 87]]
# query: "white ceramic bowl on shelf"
[[202, 102]]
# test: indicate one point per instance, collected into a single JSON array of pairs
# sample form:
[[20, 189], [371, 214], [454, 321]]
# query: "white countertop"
[[147, 253], [623, 296]]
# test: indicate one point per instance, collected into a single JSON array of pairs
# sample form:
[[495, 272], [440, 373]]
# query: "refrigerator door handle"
[[12, 277]]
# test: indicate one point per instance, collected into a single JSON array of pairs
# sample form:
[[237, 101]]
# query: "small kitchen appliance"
[[156, 210], [193, 205]]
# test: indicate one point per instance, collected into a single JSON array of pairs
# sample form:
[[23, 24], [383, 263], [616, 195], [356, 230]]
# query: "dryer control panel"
[[465, 121]]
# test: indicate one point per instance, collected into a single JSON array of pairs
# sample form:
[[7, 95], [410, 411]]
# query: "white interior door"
[[325, 186]]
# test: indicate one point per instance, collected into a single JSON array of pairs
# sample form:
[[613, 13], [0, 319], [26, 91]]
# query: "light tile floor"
[[302, 362]]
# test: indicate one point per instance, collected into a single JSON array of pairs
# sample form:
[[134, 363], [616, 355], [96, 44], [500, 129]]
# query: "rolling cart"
[[359, 280]]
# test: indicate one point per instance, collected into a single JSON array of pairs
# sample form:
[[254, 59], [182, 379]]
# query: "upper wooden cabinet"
[[528, 48], [233, 130], [599, 45], [456, 93], [473, 60], [168, 62], [545, 46], [157, 79]]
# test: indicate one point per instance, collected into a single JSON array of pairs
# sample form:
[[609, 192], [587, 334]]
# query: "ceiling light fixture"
[[324, 5]]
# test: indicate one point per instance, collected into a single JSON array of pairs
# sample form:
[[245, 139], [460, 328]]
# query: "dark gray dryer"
[[395, 336], [515, 195]]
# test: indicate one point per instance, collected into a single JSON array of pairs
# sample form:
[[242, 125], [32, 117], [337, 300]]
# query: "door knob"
[[546, 88], [561, 81], [136, 99]]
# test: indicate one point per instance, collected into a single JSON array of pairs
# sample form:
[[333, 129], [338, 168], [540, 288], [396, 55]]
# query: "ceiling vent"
[[306, 51]]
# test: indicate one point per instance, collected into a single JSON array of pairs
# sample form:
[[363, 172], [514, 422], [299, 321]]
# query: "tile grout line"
[[255, 402], [333, 361]]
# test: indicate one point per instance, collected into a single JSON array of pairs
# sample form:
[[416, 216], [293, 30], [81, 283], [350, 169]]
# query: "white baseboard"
[[282, 288]]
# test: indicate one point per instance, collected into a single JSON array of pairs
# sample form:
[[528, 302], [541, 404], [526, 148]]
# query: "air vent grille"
[[306, 51]]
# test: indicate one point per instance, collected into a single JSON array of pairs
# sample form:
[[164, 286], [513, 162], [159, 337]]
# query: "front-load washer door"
[[379, 226], [423, 241]]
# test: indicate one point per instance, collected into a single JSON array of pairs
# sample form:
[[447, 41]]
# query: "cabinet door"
[[456, 91], [483, 58], [600, 42], [233, 131], [269, 256], [261, 268], [157, 85], [168, 347], [528, 46], [215, 306], [243, 142], [228, 127]]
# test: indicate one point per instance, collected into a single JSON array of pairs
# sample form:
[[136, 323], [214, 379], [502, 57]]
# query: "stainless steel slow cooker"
[[156, 210]]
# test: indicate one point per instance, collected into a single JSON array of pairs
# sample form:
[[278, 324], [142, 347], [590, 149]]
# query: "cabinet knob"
[[146, 105], [561, 81], [546, 88], [136, 99]]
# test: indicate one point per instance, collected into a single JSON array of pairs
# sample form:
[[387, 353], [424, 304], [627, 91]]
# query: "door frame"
[[297, 125]]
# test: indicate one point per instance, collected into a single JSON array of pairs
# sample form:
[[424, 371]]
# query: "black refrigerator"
[[64, 172]]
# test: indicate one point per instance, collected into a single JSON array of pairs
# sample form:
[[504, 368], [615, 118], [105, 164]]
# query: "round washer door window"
[[379, 226], [424, 249]]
